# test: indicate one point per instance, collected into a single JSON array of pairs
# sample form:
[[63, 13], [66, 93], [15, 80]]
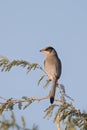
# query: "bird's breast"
[[52, 67]]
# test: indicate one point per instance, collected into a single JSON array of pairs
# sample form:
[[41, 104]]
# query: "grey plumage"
[[52, 66], [52, 92]]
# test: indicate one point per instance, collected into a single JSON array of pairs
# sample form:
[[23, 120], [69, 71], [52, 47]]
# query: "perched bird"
[[52, 65]]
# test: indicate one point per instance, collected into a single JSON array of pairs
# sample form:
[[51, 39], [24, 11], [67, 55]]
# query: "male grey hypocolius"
[[52, 65]]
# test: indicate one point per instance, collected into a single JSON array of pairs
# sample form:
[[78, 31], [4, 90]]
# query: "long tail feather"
[[52, 92]]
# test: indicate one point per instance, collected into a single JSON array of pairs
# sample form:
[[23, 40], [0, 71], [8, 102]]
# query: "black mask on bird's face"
[[49, 50]]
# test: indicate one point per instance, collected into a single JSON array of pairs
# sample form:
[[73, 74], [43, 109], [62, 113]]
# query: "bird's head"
[[48, 51]]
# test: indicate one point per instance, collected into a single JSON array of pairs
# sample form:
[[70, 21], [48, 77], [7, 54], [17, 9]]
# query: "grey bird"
[[52, 65]]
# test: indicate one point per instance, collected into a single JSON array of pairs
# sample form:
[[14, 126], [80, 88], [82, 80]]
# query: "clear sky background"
[[26, 26]]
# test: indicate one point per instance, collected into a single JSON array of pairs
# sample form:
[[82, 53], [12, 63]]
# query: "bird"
[[53, 68]]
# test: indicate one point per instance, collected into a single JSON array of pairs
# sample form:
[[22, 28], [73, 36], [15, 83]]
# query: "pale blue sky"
[[25, 28]]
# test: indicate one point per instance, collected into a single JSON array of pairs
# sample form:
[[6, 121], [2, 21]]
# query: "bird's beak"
[[42, 50]]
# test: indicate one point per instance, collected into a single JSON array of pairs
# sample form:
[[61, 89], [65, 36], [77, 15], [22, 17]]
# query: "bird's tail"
[[52, 92]]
